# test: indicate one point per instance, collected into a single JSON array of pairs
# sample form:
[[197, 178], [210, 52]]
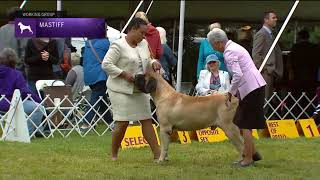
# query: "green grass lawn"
[[89, 158]]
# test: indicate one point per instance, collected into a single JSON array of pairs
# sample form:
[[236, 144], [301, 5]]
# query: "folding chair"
[[57, 101]]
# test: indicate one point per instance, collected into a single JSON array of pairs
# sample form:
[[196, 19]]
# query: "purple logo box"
[[60, 27], [25, 27]]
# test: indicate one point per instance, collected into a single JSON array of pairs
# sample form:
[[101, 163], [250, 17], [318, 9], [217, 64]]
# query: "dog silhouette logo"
[[24, 27]]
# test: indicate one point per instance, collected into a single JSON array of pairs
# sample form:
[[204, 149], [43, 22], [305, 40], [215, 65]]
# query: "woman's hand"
[[127, 76], [45, 55], [213, 91], [156, 66], [228, 98]]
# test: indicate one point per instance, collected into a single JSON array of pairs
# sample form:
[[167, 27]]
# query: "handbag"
[[58, 92]]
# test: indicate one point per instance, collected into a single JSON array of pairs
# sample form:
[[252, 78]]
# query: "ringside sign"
[[282, 129], [216, 135], [211, 135], [308, 127], [133, 138], [184, 137], [60, 27]]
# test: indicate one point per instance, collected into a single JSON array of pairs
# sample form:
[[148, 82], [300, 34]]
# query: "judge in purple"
[[248, 85]]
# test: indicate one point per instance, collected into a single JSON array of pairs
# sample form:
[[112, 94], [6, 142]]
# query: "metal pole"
[[149, 7], [59, 5], [22, 4], [125, 27], [295, 32], [174, 34], [180, 48], [279, 34]]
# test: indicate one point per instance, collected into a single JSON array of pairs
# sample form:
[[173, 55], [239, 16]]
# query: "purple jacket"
[[245, 75], [11, 79]]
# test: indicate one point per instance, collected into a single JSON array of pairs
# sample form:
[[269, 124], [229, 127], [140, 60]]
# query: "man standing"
[[262, 41], [8, 39]]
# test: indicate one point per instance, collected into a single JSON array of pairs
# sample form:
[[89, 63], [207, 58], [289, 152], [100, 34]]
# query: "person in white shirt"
[[212, 80]]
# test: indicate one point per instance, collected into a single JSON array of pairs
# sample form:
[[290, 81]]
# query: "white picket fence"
[[71, 118]]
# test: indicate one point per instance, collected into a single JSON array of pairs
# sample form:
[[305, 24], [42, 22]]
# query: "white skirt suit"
[[127, 102]]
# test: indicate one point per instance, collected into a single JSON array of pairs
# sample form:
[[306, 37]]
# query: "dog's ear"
[[151, 85], [139, 82]]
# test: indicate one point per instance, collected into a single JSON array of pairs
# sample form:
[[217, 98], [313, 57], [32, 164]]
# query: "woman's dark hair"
[[8, 57], [135, 23]]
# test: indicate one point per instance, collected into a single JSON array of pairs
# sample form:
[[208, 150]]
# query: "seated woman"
[[11, 79], [212, 80], [75, 76]]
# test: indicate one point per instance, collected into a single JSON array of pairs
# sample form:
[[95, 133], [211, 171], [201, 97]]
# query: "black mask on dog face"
[[143, 85]]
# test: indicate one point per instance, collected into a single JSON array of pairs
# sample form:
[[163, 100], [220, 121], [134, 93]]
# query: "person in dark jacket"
[[304, 63], [41, 53], [152, 37], [245, 38], [11, 79]]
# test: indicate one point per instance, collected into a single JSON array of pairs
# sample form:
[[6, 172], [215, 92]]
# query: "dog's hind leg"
[[233, 133]]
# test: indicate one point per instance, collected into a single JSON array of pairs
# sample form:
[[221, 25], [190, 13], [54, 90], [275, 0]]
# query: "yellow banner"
[[133, 138], [282, 129], [308, 127], [184, 137], [208, 135]]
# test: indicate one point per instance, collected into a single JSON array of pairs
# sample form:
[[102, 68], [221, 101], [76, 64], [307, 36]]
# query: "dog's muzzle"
[[146, 86]]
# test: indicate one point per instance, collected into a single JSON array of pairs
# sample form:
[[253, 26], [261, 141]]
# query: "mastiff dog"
[[177, 111]]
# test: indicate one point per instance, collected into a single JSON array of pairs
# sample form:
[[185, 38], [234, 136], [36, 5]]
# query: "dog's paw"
[[160, 161]]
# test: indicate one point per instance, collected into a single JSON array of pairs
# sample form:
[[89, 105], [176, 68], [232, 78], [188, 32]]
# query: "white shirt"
[[203, 85]]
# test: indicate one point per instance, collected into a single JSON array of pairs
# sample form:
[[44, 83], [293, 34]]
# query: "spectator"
[[262, 41], [82, 53], [65, 64], [245, 38], [152, 36], [126, 58], [304, 63], [65, 48], [11, 79], [168, 60], [75, 76], [205, 50], [247, 84], [8, 39], [95, 77], [56, 68], [41, 54], [212, 80]]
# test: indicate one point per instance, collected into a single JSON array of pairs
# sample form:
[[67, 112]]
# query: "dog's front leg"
[[165, 140]]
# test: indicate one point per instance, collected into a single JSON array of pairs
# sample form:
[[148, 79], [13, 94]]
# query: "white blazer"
[[203, 85], [121, 57]]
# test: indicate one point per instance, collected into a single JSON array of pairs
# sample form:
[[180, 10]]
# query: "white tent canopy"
[[112, 34]]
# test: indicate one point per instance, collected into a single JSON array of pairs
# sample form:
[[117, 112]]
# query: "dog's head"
[[145, 83]]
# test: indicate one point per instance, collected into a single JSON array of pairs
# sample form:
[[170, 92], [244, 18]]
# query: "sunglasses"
[[213, 62]]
